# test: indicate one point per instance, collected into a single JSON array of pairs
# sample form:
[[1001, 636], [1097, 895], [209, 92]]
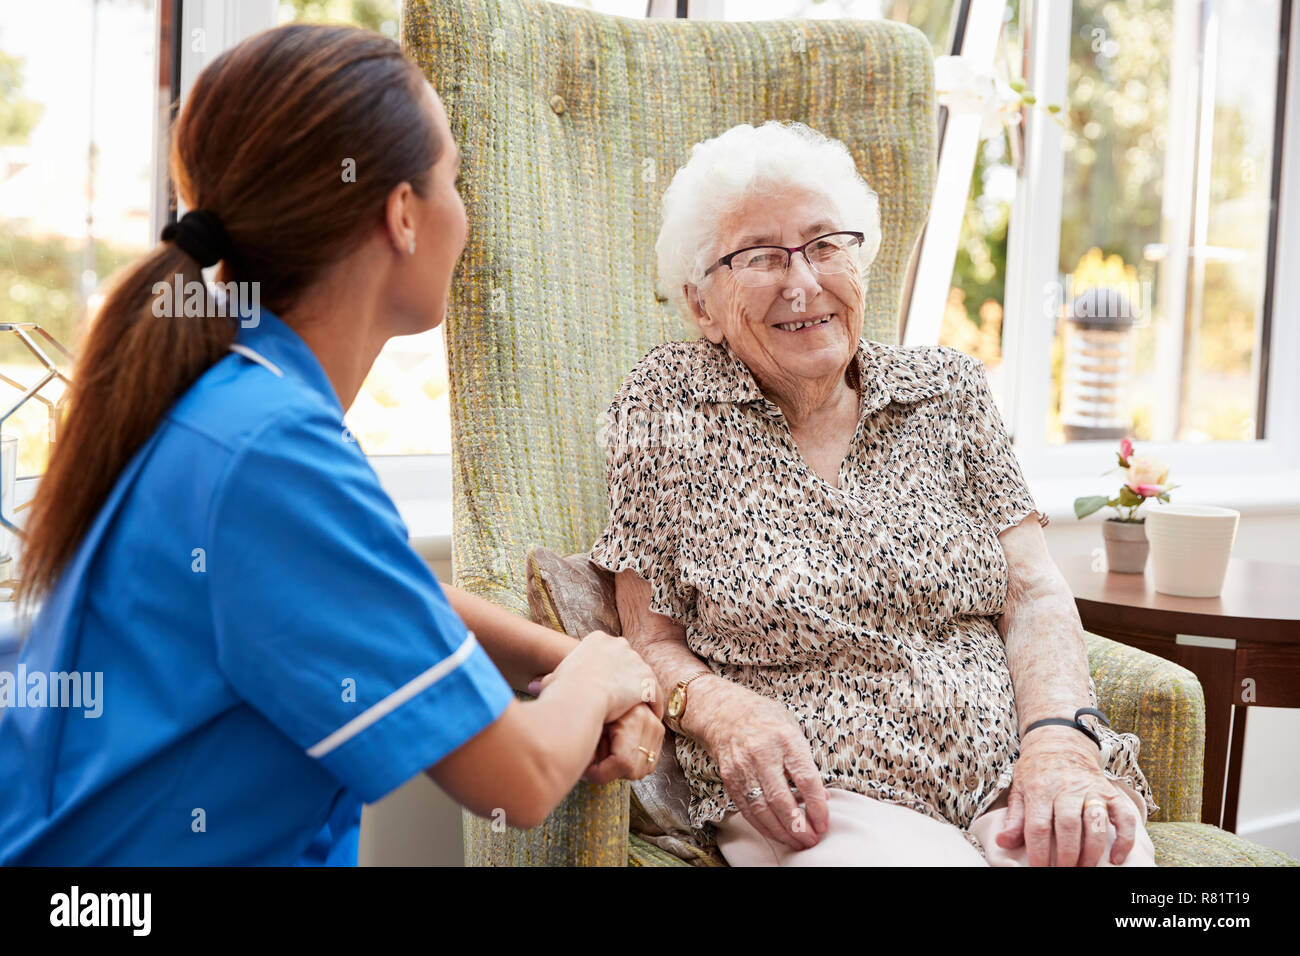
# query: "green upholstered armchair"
[[571, 124]]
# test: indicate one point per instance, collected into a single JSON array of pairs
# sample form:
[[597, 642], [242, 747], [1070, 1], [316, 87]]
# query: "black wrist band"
[[1077, 724]]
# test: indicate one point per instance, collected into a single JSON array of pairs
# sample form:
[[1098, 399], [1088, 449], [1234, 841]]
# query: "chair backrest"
[[571, 125]]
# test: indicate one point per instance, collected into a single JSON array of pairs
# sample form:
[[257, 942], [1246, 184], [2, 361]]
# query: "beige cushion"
[[573, 595], [570, 594]]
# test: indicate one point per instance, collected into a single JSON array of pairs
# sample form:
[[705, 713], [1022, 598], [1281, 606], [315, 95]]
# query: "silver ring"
[[754, 794]]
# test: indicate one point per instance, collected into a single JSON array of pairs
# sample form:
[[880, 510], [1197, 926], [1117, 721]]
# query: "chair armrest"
[[588, 828], [1163, 704]]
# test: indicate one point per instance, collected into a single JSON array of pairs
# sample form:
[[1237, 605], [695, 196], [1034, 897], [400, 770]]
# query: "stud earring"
[[411, 250]]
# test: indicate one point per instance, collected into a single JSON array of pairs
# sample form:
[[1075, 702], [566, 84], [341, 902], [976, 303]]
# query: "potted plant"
[[1125, 535]]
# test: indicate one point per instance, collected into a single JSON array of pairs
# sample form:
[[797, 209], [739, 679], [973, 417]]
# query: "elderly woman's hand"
[[1056, 772], [757, 743], [629, 748]]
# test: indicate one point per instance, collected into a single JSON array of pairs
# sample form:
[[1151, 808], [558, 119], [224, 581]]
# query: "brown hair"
[[262, 145]]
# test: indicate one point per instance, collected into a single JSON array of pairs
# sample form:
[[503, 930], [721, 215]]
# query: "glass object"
[[756, 266], [1098, 360]]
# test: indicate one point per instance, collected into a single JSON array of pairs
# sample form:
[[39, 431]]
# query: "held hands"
[[608, 665], [634, 731], [758, 744], [626, 746], [1057, 771]]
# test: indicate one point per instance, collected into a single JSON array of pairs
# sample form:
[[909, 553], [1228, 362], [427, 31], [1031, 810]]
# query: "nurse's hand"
[[627, 746], [607, 665]]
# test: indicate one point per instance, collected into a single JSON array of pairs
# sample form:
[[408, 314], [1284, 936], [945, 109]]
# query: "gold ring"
[[1095, 802], [650, 754]]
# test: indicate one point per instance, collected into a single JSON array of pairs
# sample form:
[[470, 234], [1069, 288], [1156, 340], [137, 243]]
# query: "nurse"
[[212, 545]]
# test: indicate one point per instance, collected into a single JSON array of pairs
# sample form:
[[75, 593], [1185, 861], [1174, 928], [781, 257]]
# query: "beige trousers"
[[868, 832]]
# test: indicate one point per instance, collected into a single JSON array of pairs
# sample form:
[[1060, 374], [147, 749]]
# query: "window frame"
[[977, 33], [1267, 468]]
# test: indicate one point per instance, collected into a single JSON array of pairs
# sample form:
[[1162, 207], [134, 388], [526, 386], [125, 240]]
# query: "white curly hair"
[[745, 161]]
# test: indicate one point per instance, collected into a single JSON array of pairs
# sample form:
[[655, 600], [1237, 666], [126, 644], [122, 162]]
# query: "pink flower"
[[1146, 477], [1125, 449]]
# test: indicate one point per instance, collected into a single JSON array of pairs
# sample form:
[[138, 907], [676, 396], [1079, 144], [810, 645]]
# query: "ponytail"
[[133, 364]]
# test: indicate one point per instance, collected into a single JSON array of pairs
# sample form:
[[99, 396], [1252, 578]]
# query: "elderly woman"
[[822, 546]]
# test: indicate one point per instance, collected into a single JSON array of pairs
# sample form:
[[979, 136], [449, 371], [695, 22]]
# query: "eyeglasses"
[[767, 265]]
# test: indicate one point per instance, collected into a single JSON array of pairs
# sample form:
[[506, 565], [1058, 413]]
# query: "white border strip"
[[258, 357], [396, 699], [954, 167]]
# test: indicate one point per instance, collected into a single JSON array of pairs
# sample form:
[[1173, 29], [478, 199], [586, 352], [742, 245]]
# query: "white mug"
[[1190, 548]]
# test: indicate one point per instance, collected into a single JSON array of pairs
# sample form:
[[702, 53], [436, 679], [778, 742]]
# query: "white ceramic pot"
[[1190, 548]]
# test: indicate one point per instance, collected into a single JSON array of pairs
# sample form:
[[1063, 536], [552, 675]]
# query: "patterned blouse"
[[869, 609]]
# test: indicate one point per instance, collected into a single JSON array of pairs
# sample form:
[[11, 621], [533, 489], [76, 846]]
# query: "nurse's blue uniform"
[[273, 652]]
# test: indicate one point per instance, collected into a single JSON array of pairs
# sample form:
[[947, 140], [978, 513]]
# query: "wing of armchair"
[[1162, 703]]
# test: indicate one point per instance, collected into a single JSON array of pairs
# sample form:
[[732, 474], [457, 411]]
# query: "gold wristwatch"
[[677, 702]]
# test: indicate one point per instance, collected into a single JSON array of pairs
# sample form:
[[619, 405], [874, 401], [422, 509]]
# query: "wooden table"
[[1259, 610]]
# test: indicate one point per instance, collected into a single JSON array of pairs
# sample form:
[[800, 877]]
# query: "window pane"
[[1224, 319], [76, 126], [1167, 196]]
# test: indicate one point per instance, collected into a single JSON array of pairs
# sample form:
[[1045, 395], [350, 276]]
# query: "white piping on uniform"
[[257, 357], [396, 699]]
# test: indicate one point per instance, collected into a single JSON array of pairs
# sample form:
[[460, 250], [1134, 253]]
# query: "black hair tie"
[[200, 234]]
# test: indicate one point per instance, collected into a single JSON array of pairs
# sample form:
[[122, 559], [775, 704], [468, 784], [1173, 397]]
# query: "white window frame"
[[1261, 475], [937, 253]]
